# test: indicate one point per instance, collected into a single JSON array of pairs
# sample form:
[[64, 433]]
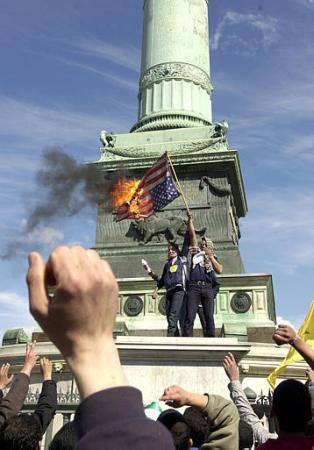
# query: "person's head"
[[206, 243], [178, 427], [65, 438], [199, 427], [291, 406], [22, 432], [173, 250], [246, 438]]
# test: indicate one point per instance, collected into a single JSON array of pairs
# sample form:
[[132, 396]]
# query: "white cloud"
[[280, 228], [308, 3], [267, 27], [14, 313], [125, 82], [295, 323], [46, 236], [17, 240], [40, 126], [11, 300], [281, 321], [301, 147], [127, 57]]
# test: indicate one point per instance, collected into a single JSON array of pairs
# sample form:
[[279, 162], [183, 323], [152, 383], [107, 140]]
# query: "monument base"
[[244, 307]]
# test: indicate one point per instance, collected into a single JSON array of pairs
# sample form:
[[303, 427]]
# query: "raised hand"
[[284, 334], [30, 358], [80, 316], [231, 367], [5, 379], [175, 396], [46, 368]]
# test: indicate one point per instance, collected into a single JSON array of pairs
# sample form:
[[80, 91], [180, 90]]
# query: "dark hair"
[[22, 432], [174, 246], [200, 429], [65, 438], [180, 433], [246, 439], [292, 406]]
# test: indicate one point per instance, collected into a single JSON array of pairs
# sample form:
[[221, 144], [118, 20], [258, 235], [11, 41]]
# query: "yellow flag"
[[306, 332]]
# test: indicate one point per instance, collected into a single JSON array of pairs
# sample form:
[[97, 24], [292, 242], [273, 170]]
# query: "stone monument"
[[175, 115], [175, 93]]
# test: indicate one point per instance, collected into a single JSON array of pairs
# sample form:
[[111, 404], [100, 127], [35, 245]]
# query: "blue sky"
[[70, 69]]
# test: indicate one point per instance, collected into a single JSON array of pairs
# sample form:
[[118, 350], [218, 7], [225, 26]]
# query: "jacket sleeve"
[[247, 414], [47, 404], [186, 244], [1, 394], [160, 280], [13, 402], [223, 420], [215, 284], [115, 419]]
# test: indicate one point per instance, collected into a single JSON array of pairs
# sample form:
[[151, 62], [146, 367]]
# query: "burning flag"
[[155, 190]]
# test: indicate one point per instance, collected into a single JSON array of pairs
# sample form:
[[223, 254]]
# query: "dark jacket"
[[13, 402], [115, 419], [170, 278], [46, 405]]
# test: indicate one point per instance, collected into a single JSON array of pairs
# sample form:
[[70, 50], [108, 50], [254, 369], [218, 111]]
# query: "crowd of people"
[[111, 414]]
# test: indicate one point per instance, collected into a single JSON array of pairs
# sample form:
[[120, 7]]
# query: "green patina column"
[[175, 87], [175, 115]]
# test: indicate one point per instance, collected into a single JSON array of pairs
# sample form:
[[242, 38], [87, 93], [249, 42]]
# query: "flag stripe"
[[155, 181], [160, 166], [156, 190]]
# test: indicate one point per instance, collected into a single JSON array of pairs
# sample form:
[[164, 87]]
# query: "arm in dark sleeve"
[[215, 284], [47, 404], [13, 402], [160, 280], [1, 394], [186, 244], [115, 418]]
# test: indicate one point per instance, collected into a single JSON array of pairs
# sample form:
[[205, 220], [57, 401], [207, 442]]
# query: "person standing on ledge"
[[203, 285], [174, 278]]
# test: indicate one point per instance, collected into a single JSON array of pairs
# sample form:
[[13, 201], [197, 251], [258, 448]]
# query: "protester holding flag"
[[203, 284]]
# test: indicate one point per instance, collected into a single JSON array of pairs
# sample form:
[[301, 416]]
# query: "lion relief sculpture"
[[169, 227]]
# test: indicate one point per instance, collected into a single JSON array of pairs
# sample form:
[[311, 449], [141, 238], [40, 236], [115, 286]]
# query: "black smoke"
[[64, 188]]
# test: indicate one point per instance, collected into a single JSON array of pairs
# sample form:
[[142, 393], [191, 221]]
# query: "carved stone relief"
[[167, 71], [163, 228], [133, 306], [241, 302]]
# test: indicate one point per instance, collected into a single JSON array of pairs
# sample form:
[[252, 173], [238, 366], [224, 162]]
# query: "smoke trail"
[[64, 187]]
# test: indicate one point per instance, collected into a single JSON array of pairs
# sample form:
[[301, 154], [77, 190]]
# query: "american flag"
[[155, 190]]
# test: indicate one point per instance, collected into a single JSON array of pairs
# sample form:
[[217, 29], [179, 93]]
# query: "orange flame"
[[125, 191]]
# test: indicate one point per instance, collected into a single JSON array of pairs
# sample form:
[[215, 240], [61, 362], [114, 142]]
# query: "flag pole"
[[178, 182]]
